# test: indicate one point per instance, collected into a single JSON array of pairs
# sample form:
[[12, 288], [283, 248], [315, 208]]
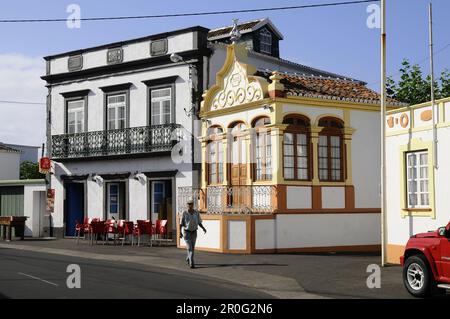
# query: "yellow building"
[[289, 162]]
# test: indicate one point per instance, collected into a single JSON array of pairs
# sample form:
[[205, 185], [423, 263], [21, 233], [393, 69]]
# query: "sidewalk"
[[280, 275]]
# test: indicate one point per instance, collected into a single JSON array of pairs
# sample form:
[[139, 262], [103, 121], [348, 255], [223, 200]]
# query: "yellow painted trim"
[[417, 106], [236, 108], [297, 113], [441, 113], [316, 123], [327, 103], [237, 54], [412, 146], [347, 117]]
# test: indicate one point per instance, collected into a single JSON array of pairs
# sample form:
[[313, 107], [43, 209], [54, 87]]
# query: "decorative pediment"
[[236, 83]]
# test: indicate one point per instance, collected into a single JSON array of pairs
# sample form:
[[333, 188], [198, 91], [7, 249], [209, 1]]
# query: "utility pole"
[[433, 106], [383, 133]]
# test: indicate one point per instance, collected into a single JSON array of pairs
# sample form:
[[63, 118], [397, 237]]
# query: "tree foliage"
[[30, 170], [415, 88]]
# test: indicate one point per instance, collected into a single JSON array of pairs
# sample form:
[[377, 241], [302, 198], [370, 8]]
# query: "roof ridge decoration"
[[235, 82]]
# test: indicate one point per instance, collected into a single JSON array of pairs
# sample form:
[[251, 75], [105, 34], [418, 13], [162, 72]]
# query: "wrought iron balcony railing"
[[133, 140], [255, 199]]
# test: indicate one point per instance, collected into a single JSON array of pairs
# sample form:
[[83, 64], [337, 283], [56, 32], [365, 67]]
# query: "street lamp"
[[176, 58]]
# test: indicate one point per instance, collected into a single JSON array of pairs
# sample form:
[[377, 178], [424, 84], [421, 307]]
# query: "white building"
[[27, 153], [112, 110], [417, 194], [9, 162]]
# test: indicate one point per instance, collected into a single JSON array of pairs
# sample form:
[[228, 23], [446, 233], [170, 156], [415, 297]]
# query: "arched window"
[[263, 150], [331, 159], [214, 151], [296, 148], [265, 40]]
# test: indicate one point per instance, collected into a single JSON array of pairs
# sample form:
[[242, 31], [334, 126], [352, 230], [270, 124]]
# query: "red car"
[[426, 263]]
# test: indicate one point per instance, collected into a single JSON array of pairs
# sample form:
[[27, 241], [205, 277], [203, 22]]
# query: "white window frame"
[[78, 114], [115, 106], [265, 41], [160, 101], [417, 179]]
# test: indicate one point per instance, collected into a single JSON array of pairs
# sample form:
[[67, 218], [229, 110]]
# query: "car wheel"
[[417, 277]]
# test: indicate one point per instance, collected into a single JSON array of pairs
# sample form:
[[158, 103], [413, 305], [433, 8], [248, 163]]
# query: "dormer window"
[[265, 41]]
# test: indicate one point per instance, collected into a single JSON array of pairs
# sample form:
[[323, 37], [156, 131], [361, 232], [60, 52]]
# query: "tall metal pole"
[[383, 132], [433, 106]]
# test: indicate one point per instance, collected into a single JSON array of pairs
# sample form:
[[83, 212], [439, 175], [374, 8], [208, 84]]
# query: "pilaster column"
[[348, 132], [315, 130]]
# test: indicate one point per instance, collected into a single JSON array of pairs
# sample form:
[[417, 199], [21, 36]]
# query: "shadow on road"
[[2, 296], [236, 265]]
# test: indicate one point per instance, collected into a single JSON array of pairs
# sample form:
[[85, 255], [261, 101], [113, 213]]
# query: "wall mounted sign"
[[115, 55], [75, 63], [50, 200], [158, 47], [45, 165]]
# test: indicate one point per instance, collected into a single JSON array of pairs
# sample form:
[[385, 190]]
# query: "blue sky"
[[336, 39]]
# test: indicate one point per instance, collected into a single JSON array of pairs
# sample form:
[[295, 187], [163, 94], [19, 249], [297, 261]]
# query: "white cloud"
[[20, 81]]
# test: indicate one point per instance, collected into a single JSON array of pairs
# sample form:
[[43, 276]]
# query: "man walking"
[[190, 221]]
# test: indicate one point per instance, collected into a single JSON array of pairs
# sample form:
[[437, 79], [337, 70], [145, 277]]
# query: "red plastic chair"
[[144, 227], [111, 227], [163, 229], [125, 229], [96, 228]]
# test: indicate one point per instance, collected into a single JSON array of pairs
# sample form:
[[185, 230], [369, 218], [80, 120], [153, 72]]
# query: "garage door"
[[11, 201]]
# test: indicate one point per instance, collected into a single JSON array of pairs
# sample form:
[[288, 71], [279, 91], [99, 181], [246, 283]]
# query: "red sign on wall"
[[45, 165], [50, 200]]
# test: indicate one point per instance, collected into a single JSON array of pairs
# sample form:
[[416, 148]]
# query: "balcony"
[[256, 199], [121, 142]]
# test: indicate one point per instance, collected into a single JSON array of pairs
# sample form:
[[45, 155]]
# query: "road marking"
[[37, 278]]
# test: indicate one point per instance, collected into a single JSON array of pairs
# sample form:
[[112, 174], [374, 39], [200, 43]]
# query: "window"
[[265, 41], [417, 179], [116, 111], [330, 150], [161, 106], [75, 116], [263, 150], [215, 156], [296, 148]]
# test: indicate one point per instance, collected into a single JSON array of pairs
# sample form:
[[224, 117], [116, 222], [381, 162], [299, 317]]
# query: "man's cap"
[[190, 201]]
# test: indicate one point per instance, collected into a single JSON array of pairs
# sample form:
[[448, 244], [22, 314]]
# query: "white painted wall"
[[138, 98], [366, 158], [325, 230], [333, 197], [212, 237], [137, 199], [9, 165], [237, 234], [298, 197], [265, 233], [31, 210], [131, 52], [95, 199]]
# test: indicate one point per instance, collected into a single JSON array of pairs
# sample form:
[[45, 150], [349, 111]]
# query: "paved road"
[[25, 274]]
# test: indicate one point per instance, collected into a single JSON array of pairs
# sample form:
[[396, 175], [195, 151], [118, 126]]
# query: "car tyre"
[[417, 277]]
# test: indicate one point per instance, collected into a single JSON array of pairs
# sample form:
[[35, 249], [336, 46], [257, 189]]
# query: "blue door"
[[75, 206]]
